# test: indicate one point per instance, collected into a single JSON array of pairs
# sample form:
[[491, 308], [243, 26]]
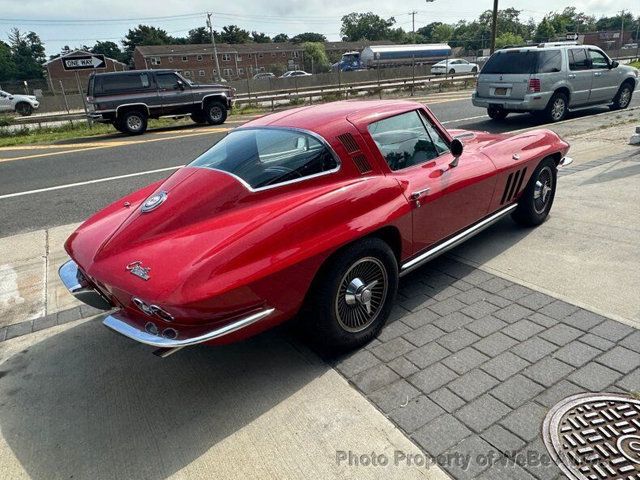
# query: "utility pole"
[[494, 26], [215, 50], [621, 28], [413, 21]]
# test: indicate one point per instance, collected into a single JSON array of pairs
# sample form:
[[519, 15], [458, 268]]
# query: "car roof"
[[324, 119]]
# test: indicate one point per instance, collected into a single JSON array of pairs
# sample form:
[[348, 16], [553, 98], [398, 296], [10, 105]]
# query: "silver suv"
[[551, 79]]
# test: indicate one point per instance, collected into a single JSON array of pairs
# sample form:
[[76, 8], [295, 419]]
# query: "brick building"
[[609, 40], [236, 60], [56, 72]]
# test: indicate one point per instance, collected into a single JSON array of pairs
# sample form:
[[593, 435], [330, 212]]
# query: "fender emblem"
[[136, 268]]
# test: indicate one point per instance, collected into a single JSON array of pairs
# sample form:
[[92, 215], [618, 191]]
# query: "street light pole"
[[494, 26], [215, 50], [413, 21]]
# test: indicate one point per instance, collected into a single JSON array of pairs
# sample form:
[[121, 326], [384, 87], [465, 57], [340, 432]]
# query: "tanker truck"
[[380, 56]]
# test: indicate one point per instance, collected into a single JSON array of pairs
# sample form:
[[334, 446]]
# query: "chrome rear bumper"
[[172, 345], [81, 288]]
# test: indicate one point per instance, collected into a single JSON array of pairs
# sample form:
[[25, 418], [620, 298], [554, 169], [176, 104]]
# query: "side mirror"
[[456, 147], [615, 64], [180, 84]]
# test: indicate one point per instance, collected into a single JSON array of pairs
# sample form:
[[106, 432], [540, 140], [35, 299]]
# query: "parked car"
[[128, 99], [630, 46], [295, 73], [316, 210], [454, 65], [21, 104], [263, 76], [552, 79]]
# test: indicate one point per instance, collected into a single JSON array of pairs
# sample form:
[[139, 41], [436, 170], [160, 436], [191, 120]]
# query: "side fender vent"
[[513, 186], [362, 163], [349, 143]]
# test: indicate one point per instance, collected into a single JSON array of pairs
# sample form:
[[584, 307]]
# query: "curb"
[[80, 312]]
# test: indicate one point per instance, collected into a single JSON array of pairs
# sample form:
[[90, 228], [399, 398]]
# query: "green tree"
[[315, 57], [309, 37], [366, 26], [143, 35], [260, 37], [508, 39], [7, 65], [427, 31], [234, 34], [27, 52], [281, 38], [570, 20], [199, 36], [545, 31], [442, 33], [108, 49]]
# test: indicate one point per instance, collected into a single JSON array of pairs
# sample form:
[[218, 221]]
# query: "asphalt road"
[[42, 187]]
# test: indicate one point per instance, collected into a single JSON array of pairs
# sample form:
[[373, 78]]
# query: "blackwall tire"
[[351, 300], [497, 113], [215, 113], [623, 97], [134, 122], [24, 109], [537, 198], [556, 110]]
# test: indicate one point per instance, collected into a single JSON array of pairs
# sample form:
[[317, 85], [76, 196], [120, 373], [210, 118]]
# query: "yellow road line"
[[82, 148]]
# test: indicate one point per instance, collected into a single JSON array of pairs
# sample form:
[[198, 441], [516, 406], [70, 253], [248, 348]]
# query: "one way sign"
[[84, 62]]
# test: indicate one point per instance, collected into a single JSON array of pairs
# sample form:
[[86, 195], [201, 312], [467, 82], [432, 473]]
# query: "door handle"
[[597, 74], [571, 75], [417, 194]]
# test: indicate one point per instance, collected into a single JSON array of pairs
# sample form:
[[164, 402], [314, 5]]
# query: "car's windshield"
[[262, 157]]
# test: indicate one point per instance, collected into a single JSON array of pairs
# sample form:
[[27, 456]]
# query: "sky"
[[77, 22]]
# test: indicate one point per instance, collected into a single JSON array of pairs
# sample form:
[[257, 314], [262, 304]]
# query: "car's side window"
[[578, 59], [404, 140], [598, 59], [167, 81], [550, 61]]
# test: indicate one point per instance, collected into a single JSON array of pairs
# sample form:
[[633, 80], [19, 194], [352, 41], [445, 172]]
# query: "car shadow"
[[86, 403], [518, 121]]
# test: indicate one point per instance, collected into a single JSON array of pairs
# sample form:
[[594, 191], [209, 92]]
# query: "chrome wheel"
[[215, 112], [625, 97], [558, 109], [361, 294], [134, 123], [542, 190]]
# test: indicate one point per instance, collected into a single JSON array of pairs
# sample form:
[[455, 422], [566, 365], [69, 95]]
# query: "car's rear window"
[[523, 62], [263, 157], [119, 83]]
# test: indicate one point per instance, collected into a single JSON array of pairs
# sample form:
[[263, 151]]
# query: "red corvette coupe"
[[317, 210]]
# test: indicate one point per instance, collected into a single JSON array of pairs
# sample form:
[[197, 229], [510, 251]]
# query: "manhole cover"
[[595, 436]]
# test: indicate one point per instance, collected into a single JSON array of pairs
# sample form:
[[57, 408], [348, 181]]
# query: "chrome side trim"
[[142, 336], [140, 104], [80, 287], [565, 161], [454, 241]]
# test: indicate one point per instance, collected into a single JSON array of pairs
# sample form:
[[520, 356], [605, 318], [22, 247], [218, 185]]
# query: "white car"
[[22, 104], [295, 73], [454, 65]]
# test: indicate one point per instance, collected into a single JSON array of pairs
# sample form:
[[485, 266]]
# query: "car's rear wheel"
[[24, 109], [351, 300], [215, 112], [557, 107], [623, 97], [536, 200], [199, 117], [134, 122], [497, 113], [452, 71]]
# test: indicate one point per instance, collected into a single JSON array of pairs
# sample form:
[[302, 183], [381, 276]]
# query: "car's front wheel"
[[215, 113], [623, 97], [24, 109], [351, 300], [537, 198]]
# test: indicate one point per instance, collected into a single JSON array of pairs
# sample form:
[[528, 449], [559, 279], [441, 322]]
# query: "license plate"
[[500, 91]]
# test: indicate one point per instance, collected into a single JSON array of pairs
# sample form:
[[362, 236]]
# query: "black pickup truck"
[[128, 99]]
